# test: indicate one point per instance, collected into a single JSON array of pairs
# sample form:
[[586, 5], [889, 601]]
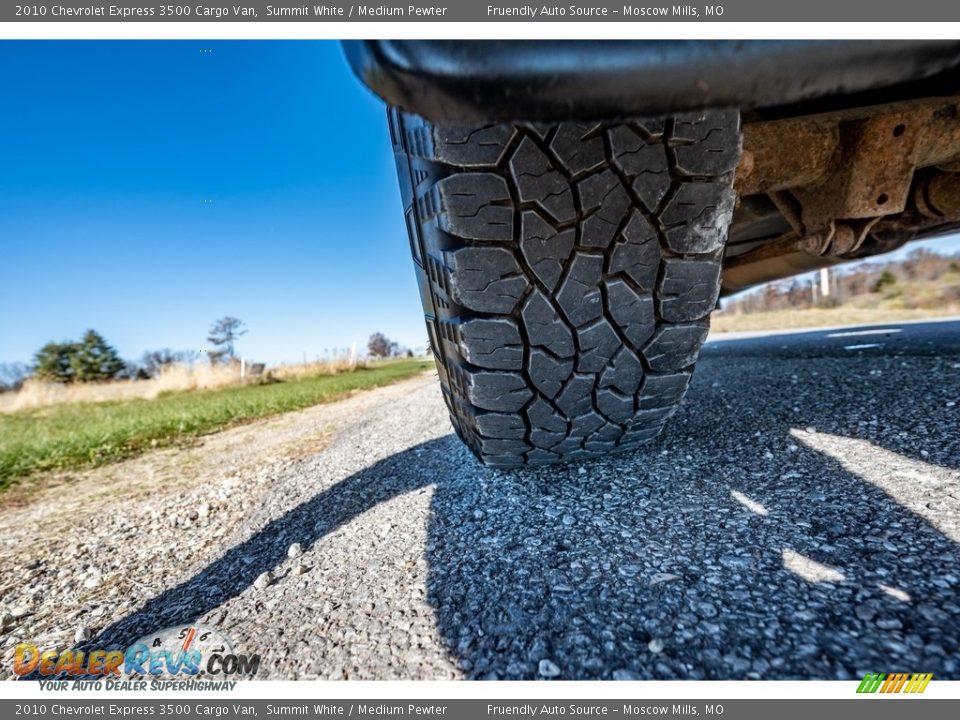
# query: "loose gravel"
[[799, 519]]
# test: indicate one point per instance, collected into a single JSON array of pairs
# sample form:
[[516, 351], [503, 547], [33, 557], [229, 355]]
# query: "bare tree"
[[12, 375], [223, 336]]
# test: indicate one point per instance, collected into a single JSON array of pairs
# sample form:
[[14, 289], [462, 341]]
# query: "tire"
[[567, 273]]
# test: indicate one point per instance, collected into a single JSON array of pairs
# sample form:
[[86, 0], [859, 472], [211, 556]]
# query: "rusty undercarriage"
[[823, 189]]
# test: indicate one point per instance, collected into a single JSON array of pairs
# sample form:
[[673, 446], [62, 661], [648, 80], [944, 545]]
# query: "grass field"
[[78, 435]]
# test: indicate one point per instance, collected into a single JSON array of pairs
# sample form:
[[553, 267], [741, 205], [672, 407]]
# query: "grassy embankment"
[[78, 435], [918, 300]]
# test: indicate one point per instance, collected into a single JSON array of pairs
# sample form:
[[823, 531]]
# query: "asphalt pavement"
[[799, 518]]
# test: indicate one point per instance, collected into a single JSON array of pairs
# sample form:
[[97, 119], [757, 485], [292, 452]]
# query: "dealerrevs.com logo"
[[895, 683], [176, 652]]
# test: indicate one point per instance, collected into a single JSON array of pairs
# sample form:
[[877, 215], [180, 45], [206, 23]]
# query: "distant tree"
[[886, 279], [95, 359], [12, 376], [52, 361], [223, 336], [89, 360], [153, 361], [379, 346]]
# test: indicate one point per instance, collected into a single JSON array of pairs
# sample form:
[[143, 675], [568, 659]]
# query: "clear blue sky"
[[107, 152]]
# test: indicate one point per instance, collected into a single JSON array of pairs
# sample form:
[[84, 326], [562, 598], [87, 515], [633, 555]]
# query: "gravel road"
[[800, 519]]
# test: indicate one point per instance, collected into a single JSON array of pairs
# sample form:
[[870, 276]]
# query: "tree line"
[[93, 359]]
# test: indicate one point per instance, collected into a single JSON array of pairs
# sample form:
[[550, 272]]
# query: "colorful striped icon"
[[894, 682]]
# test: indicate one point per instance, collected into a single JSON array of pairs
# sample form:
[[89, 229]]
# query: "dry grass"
[[333, 366], [824, 317], [173, 378]]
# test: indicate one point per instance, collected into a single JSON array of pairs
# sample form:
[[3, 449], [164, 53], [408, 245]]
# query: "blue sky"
[[108, 151], [148, 188]]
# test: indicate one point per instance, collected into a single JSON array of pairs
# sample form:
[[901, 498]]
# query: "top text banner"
[[479, 11]]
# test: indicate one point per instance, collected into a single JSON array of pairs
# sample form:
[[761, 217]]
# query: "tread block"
[[501, 391], [645, 164], [638, 254], [544, 248], [567, 447], [579, 296], [635, 438], [539, 456], [498, 425], [711, 142], [662, 391], [576, 398], [688, 289], [493, 343], [604, 203], [598, 344], [542, 416], [474, 206], [502, 446], [539, 182], [471, 146], [625, 373], [675, 347], [547, 373], [485, 279], [614, 406], [547, 427], [697, 217], [544, 326], [633, 313], [579, 147], [586, 424]]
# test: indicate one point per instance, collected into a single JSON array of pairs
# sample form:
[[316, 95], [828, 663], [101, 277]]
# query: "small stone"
[[581, 470], [83, 634], [548, 669], [478, 514], [20, 612], [203, 510], [865, 612], [889, 624], [300, 569], [658, 578], [625, 675], [93, 581], [263, 580], [655, 646], [569, 519], [295, 550], [707, 610]]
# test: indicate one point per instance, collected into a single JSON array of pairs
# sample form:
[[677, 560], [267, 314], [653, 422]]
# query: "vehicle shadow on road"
[[736, 546]]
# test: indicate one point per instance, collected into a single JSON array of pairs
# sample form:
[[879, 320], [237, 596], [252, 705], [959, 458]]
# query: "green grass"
[[79, 435]]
